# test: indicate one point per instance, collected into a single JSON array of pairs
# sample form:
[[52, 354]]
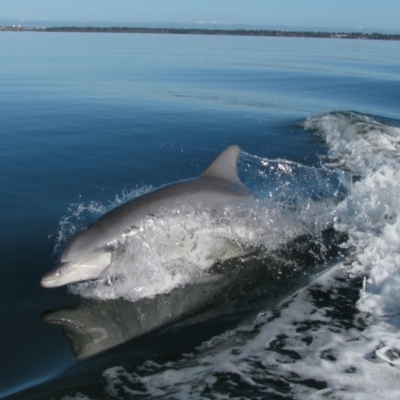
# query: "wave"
[[369, 149]]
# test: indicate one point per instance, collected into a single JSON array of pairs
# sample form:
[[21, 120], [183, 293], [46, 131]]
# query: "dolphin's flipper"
[[225, 166]]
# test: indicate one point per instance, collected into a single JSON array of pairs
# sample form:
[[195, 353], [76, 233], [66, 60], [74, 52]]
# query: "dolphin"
[[89, 252]]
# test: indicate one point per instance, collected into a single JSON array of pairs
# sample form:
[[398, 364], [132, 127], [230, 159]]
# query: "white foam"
[[297, 350], [178, 248], [371, 150]]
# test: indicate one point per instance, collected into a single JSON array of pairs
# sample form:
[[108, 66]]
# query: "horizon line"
[[198, 24], [208, 31]]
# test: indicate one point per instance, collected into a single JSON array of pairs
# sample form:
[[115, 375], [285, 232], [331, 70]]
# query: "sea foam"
[[370, 151]]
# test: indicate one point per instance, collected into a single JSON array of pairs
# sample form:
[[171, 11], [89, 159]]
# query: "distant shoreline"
[[196, 31]]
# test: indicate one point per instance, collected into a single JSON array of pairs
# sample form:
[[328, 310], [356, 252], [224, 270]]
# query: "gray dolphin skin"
[[89, 252]]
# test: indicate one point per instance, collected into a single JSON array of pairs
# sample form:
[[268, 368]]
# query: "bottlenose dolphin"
[[89, 252]]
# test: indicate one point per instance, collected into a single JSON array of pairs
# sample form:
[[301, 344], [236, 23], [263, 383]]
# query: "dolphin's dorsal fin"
[[225, 166]]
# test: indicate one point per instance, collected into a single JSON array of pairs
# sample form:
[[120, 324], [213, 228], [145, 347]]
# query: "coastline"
[[196, 31]]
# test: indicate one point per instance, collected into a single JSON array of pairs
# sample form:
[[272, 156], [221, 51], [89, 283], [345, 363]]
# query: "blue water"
[[85, 116]]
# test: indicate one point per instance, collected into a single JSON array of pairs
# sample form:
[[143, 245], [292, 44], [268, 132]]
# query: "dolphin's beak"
[[83, 268]]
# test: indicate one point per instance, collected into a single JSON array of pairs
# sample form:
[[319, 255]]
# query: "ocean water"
[[293, 295]]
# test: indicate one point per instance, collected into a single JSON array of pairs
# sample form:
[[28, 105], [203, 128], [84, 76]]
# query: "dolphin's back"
[[202, 191], [219, 183]]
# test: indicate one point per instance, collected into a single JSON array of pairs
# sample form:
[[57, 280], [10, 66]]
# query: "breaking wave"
[[370, 150]]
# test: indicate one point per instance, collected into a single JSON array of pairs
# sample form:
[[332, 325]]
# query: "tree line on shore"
[[197, 31]]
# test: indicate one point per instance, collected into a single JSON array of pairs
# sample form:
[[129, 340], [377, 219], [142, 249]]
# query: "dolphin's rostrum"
[[89, 252]]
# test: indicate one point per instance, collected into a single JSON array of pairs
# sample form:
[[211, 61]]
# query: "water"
[[307, 307]]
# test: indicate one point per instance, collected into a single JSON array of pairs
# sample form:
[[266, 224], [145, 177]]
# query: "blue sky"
[[355, 14]]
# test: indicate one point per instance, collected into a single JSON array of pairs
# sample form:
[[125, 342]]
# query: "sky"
[[354, 14]]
